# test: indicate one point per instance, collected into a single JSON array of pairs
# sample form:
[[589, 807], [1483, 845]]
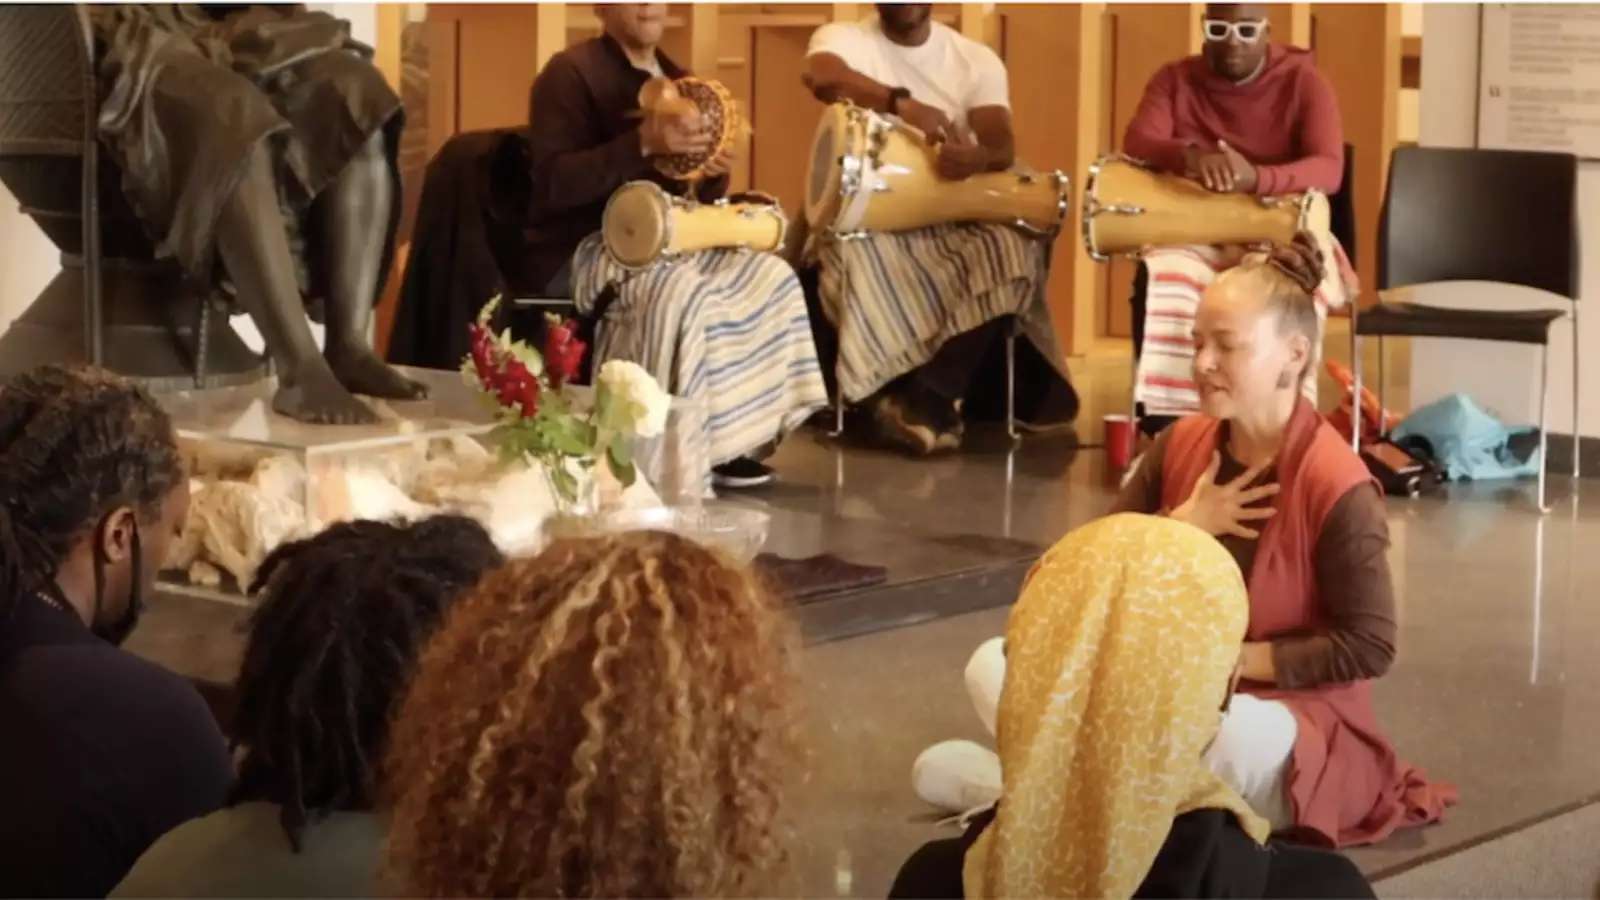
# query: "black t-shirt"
[[1206, 854], [101, 753]]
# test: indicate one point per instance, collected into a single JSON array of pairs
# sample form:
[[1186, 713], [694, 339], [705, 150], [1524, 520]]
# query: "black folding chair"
[[1502, 216]]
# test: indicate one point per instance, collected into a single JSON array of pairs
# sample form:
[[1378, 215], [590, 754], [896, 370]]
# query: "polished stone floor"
[[1497, 687], [1495, 690]]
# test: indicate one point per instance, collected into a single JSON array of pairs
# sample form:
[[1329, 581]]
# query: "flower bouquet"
[[542, 422]]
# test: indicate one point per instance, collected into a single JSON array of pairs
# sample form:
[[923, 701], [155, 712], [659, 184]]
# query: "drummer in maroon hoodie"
[[1246, 116]]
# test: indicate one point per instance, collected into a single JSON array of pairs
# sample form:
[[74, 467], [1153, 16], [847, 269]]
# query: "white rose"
[[637, 404]]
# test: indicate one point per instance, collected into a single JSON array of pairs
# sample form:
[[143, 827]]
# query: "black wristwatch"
[[896, 95]]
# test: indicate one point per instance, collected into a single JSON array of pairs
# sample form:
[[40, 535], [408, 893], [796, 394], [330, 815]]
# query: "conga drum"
[[643, 223], [870, 174], [1127, 207]]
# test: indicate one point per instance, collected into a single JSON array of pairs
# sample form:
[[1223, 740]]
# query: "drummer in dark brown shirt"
[[587, 136], [727, 328]]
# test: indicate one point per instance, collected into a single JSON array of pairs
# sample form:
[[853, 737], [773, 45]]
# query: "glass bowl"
[[739, 531]]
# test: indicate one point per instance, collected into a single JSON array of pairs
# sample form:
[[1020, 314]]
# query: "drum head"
[[721, 118], [822, 178], [635, 227]]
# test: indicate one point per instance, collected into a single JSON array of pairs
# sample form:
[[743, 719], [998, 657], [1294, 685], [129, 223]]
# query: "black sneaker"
[[743, 472]]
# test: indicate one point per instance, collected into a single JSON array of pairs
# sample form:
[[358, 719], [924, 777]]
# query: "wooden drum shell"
[[643, 223], [868, 174], [1127, 208]]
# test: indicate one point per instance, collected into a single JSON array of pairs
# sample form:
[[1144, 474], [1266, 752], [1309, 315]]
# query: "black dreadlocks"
[[75, 443], [332, 644]]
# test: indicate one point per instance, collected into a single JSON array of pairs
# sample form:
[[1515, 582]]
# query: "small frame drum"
[[1127, 207], [868, 173], [643, 223], [718, 111]]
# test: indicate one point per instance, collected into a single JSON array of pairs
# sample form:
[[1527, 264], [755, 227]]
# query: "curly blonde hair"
[[611, 718]]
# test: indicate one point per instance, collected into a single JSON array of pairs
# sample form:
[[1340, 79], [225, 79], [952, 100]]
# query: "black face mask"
[[116, 632]]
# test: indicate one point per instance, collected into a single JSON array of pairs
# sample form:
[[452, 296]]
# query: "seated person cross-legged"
[[726, 327], [1122, 649], [1289, 499], [1245, 116], [339, 621], [918, 311], [1298, 511]]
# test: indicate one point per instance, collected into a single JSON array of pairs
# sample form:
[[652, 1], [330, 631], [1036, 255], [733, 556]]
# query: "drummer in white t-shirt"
[[922, 309], [903, 63]]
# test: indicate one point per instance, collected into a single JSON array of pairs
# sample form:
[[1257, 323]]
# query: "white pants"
[[1251, 752]]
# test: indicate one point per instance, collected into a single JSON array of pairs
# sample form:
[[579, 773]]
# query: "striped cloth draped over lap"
[[896, 297], [1178, 277], [725, 327]]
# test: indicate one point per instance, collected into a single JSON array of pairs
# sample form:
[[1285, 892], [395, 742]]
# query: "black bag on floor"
[[1404, 471]]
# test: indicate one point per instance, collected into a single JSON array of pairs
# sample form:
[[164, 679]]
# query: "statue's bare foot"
[[362, 372], [320, 399]]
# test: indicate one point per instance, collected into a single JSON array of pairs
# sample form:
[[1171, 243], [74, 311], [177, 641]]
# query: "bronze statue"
[[257, 145]]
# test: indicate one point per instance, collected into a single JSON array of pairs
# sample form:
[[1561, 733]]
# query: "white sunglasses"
[[1247, 32]]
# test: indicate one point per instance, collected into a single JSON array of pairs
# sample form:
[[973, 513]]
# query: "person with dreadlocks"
[[611, 718], [340, 620], [103, 752]]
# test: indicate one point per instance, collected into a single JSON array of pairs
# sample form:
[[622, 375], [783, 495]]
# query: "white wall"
[[363, 18], [27, 259], [1504, 378]]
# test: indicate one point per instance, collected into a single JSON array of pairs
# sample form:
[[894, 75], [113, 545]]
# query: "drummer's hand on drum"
[[1243, 171], [1223, 170], [662, 134], [961, 158], [930, 120]]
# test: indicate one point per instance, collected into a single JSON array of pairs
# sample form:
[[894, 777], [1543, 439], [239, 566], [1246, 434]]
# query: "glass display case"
[[259, 479]]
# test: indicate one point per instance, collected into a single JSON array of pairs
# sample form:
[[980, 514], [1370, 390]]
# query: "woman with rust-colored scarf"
[[1265, 474], [1261, 471]]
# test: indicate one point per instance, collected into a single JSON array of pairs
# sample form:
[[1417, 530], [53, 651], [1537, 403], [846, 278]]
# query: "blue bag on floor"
[[1467, 442]]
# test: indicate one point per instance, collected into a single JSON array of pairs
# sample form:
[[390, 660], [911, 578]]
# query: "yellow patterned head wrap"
[[1118, 657]]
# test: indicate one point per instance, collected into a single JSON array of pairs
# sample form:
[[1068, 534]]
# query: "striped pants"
[[897, 297], [727, 328]]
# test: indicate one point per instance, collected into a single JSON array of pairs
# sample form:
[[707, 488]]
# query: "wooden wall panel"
[[497, 62], [784, 116], [1291, 23], [1358, 48], [734, 69], [443, 78], [1055, 56], [1144, 37]]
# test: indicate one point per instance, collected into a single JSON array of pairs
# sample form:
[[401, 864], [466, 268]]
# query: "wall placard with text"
[[1539, 78]]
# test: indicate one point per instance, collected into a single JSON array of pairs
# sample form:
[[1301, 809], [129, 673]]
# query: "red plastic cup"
[[1119, 441]]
